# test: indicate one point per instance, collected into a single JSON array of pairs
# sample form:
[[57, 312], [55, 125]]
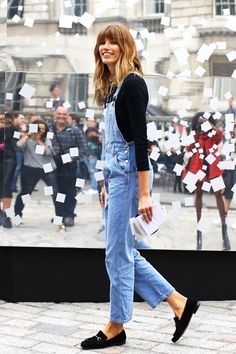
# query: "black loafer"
[[101, 341], [191, 307]]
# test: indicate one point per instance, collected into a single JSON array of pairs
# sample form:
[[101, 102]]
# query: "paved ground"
[[179, 232], [27, 328]]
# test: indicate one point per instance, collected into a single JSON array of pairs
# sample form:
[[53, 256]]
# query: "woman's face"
[[42, 129], [110, 53]]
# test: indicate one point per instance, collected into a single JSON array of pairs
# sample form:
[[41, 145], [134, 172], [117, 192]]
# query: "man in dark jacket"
[[66, 140]]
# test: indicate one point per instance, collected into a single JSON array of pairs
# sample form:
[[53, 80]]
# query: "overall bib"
[[126, 268]]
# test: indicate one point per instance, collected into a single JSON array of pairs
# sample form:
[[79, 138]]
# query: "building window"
[[223, 5], [15, 7], [77, 8], [80, 7], [153, 7]]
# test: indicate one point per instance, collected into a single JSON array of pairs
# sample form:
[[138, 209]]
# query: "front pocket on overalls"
[[123, 162]]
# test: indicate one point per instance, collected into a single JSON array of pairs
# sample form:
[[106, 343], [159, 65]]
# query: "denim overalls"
[[127, 269]]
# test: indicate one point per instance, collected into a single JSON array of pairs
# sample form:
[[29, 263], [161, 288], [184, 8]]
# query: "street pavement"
[[28, 328], [178, 232]]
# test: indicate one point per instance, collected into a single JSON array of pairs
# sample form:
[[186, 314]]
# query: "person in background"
[[7, 165], [66, 137], [74, 119], [120, 86], [55, 91], [20, 122], [230, 180], [95, 150], [211, 171], [32, 170], [231, 107]]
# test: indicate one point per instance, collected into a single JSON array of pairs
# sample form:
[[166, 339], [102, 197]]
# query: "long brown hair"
[[128, 62]]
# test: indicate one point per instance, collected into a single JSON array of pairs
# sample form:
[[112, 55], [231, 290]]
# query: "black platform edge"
[[78, 274]]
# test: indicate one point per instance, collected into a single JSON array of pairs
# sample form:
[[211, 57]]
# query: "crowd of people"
[[25, 153], [57, 152]]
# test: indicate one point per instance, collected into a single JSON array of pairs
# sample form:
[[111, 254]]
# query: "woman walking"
[[118, 78], [207, 144]]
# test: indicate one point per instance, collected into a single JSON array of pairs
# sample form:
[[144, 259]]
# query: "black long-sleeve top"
[[130, 109]]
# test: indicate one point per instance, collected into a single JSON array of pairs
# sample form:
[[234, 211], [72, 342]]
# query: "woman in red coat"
[[205, 153]]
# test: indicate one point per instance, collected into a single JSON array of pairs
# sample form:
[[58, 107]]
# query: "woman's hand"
[[145, 207], [103, 197]]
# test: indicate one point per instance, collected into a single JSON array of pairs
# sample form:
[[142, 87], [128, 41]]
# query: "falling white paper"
[[181, 55], [57, 220], [27, 91], [165, 21], [206, 126], [26, 198], [47, 167], [50, 135], [49, 104], [217, 183], [81, 105], [17, 220], [33, 128], [74, 152], [203, 225], [210, 159], [99, 164], [80, 182], [16, 135], [66, 158], [231, 55], [188, 201], [66, 105], [200, 71], [162, 91], [60, 197], [99, 176], [48, 190], [65, 21], [178, 169], [39, 149], [89, 113], [86, 20], [29, 22], [9, 96], [206, 186]]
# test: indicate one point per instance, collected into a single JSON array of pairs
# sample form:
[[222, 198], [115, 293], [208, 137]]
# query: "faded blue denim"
[[127, 269]]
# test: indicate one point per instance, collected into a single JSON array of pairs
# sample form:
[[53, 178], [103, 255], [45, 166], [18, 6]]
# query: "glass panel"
[[189, 67]]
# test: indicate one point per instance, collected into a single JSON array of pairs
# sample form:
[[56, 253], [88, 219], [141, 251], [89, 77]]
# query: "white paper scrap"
[[48, 190], [47, 167], [217, 183], [210, 159], [26, 198], [50, 135], [60, 197], [39, 149], [99, 176], [29, 22], [81, 105], [86, 20], [206, 186], [100, 164], [74, 152], [178, 169], [80, 182], [33, 128], [57, 220], [188, 201], [65, 21], [203, 225], [16, 135], [89, 113], [162, 91], [27, 91]]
